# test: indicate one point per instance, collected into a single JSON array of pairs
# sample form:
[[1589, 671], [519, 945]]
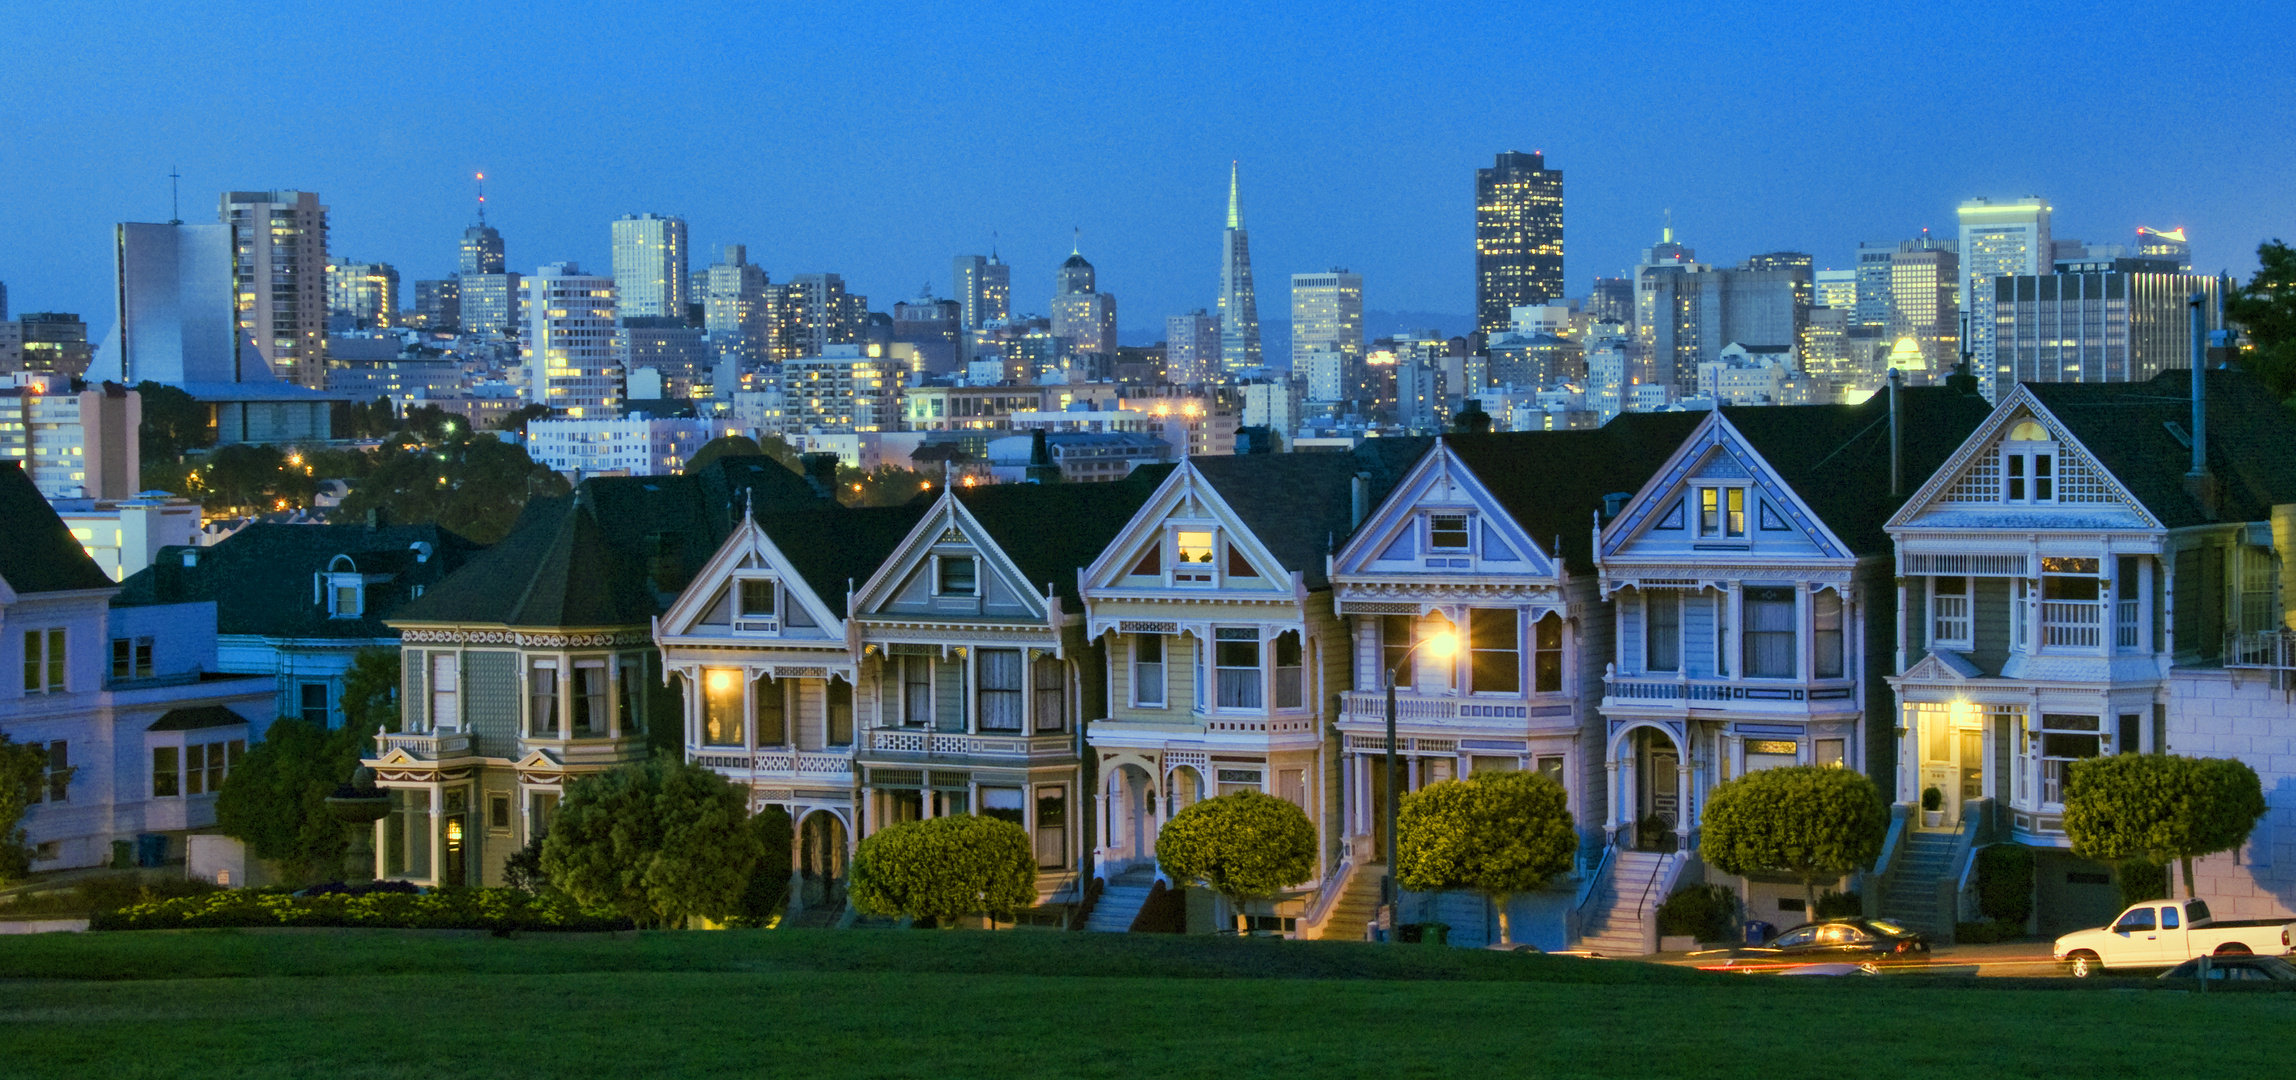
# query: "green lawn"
[[963, 1004]]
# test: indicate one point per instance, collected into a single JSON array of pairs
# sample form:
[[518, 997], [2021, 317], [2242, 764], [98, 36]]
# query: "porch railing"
[[911, 741], [427, 745], [2272, 651], [2073, 623], [1730, 692], [788, 762], [2125, 624], [1372, 705]]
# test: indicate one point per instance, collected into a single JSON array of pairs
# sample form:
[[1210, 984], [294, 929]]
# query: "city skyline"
[[1383, 184]]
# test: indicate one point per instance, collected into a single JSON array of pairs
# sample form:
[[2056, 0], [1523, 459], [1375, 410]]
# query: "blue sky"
[[878, 140]]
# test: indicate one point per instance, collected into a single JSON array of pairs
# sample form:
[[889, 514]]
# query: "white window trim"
[[746, 625]]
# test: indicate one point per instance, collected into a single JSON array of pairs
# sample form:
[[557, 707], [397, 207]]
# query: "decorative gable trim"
[[749, 548], [1942, 667], [1439, 479], [947, 523], [1972, 476], [1716, 450]]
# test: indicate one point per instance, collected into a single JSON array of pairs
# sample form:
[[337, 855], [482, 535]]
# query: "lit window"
[[1722, 512], [1192, 556]]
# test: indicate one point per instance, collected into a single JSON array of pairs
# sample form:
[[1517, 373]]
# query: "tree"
[[474, 485], [274, 800], [254, 479], [886, 485], [2266, 309], [1244, 846], [662, 841], [517, 419], [2160, 808], [945, 867], [769, 883], [1812, 821], [1498, 834], [722, 446], [173, 424], [23, 769]]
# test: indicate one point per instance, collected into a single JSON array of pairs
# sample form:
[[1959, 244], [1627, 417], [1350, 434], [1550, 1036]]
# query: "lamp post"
[[1443, 645]]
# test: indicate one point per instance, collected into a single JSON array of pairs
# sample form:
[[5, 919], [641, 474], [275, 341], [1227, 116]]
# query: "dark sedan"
[[2236, 969], [1833, 941]]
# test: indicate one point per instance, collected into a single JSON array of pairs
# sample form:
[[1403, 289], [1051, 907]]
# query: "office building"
[[175, 322], [438, 305], [1687, 311], [1081, 313], [1798, 268], [2005, 239], [490, 304], [280, 239], [841, 390], [1611, 299], [2151, 244], [677, 352], [1239, 307], [814, 313], [362, 295], [568, 345], [1327, 310], [1191, 347], [481, 250], [74, 444], [1837, 289], [53, 343], [1518, 237], [1924, 317], [650, 279], [623, 446], [933, 329], [735, 309], [2119, 321], [984, 288]]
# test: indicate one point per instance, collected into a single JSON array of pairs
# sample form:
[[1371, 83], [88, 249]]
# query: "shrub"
[[1932, 799], [1243, 846], [1498, 834], [1840, 905], [661, 841], [1704, 912], [103, 894], [943, 868], [499, 910], [1815, 822], [768, 887], [2005, 883], [2140, 880]]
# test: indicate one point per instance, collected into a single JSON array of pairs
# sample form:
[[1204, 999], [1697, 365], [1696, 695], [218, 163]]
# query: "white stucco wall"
[[2218, 713]]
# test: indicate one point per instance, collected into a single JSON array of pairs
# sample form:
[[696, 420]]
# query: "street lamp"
[[1441, 646]]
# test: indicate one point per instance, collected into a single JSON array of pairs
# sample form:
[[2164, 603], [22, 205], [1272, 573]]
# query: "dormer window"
[[345, 591], [1722, 512], [2029, 465], [1192, 557], [758, 605], [960, 576], [1447, 532]]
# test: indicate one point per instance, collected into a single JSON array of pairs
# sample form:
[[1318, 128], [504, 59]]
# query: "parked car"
[[2158, 933], [1835, 941], [2236, 969]]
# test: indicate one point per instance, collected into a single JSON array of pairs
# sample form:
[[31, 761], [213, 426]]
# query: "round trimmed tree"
[[1498, 834], [2160, 808], [1245, 846], [1815, 822], [946, 867], [662, 841]]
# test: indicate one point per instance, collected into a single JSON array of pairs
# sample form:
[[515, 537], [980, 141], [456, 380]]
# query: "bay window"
[[445, 698], [1237, 658], [1768, 614], [839, 706], [1495, 655], [1148, 669], [770, 704], [722, 722], [1547, 655], [1049, 704], [999, 689], [1662, 630], [916, 691], [1052, 826], [542, 699], [1949, 610], [2065, 739], [591, 715], [1394, 646], [1827, 657], [1290, 689]]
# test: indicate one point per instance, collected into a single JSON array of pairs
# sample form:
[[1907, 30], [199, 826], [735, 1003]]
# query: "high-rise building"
[[2005, 239], [1612, 299], [1239, 307], [54, 343], [670, 348], [1924, 318], [364, 296], [2118, 321], [1837, 289], [281, 242], [2151, 244], [490, 304], [1191, 347], [1796, 265], [1327, 310], [1687, 312], [650, 278], [1080, 312], [815, 312], [569, 342], [734, 307], [983, 286], [480, 251], [438, 304], [176, 324], [1518, 237]]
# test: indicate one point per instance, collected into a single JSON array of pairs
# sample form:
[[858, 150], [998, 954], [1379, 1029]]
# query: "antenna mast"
[[174, 195], [482, 198]]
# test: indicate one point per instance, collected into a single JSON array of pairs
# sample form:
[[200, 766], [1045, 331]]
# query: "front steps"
[[1617, 922]]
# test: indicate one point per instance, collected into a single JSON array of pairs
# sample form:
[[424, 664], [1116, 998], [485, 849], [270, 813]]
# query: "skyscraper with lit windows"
[[568, 344], [1998, 239], [280, 241], [1239, 307], [650, 266], [1518, 238], [1327, 310]]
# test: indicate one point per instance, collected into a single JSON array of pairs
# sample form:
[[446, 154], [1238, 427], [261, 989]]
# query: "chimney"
[[2197, 482], [1613, 503], [1041, 469], [820, 472], [1896, 436], [1359, 499]]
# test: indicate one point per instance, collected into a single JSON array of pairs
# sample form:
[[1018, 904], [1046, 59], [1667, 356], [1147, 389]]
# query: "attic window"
[[1192, 557], [958, 575], [759, 604], [1447, 532]]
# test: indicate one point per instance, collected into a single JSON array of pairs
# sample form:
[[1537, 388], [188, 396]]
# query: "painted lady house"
[[1750, 581]]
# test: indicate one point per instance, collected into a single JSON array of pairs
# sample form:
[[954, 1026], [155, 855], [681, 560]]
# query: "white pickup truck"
[[2160, 933]]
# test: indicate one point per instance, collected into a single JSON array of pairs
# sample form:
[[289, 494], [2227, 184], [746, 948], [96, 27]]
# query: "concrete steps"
[[1616, 924], [1357, 906], [1912, 894], [1119, 903]]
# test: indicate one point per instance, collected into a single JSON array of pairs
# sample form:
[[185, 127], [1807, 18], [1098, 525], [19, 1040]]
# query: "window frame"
[[1722, 511], [769, 697], [1143, 677], [1501, 666], [1465, 532], [1548, 659], [1938, 617], [942, 564], [745, 621], [1653, 601], [1762, 646], [1011, 699], [537, 696], [1250, 693]]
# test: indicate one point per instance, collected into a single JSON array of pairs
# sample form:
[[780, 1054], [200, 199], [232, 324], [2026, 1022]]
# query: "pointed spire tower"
[[1239, 307]]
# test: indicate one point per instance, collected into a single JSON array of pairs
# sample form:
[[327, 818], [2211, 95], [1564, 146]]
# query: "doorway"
[[1952, 761], [821, 860], [1657, 790]]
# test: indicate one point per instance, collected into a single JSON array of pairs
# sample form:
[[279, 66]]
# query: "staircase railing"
[[1327, 897], [1877, 881], [1083, 911], [1593, 879], [1976, 830]]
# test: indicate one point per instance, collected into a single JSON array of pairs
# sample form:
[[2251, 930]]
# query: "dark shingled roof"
[[195, 718], [260, 576], [622, 558], [2251, 441], [1301, 506], [1553, 482], [1836, 457], [37, 552], [833, 548], [1050, 531]]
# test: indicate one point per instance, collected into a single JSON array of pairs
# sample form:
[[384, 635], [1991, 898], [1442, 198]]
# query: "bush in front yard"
[[500, 910], [2005, 882], [1704, 912], [1840, 905], [945, 868]]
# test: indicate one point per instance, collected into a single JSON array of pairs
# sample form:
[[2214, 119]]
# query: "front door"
[[1969, 759], [1659, 802]]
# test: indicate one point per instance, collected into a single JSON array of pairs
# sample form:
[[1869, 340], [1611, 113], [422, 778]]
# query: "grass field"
[[964, 1004]]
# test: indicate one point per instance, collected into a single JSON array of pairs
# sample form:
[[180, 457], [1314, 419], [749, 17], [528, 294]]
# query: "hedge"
[[499, 910]]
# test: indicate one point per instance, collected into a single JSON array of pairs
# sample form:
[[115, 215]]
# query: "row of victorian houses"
[[1936, 592]]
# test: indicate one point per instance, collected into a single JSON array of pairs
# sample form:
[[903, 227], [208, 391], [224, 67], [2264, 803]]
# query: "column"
[[1682, 790], [1610, 824]]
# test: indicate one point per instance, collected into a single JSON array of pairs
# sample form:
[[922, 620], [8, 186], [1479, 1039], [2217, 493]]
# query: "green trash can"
[[1435, 933], [123, 855]]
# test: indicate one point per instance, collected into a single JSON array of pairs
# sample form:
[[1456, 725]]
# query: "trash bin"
[[123, 855], [1407, 933], [1758, 932], [1435, 933], [151, 849]]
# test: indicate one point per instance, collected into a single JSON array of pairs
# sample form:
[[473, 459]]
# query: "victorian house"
[[1750, 580], [2070, 581], [764, 648], [1484, 551], [536, 663], [1225, 657], [976, 672]]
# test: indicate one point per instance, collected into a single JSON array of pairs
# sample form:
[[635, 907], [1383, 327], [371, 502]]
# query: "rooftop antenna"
[[1076, 241], [992, 245], [1667, 235], [174, 195], [482, 199]]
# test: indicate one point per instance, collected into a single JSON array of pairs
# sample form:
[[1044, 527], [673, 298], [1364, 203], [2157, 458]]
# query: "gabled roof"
[[2251, 441], [37, 552], [1301, 506], [1552, 482], [260, 577], [1049, 531], [835, 550], [556, 569], [1836, 457]]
